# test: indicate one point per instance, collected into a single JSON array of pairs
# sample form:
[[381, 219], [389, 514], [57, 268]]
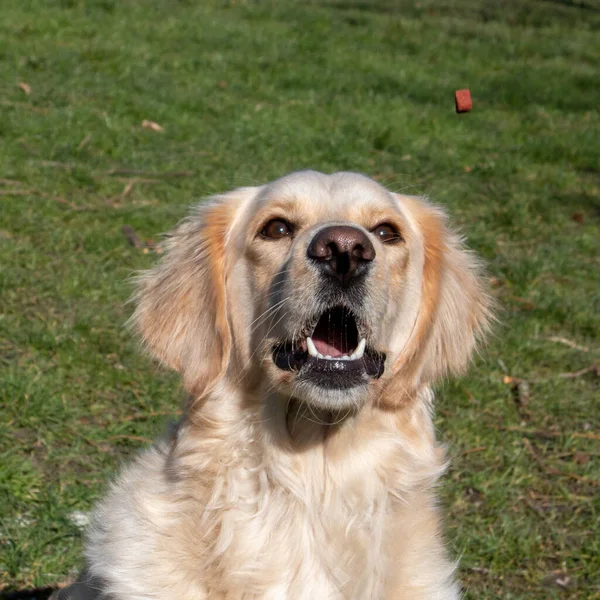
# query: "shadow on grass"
[[575, 4], [31, 594]]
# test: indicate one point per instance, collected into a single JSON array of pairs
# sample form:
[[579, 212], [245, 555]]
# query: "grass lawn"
[[244, 92]]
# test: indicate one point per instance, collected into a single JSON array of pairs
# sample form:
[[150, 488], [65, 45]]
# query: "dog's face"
[[328, 288], [328, 257]]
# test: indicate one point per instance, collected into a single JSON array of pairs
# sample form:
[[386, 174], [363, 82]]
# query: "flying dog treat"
[[463, 101]]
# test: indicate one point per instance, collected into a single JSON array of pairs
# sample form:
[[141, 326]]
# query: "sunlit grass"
[[244, 92]]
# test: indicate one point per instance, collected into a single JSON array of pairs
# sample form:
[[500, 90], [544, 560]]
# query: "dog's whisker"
[[259, 346], [265, 315]]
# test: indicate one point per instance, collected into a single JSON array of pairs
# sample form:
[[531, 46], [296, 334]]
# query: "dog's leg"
[[419, 567], [85, 588]]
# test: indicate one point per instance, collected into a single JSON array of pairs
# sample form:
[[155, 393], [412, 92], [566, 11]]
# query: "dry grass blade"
[[25, 87], [31, 107], [473, 450], [17, 193], [152, 125], [58, 199], [591, 369], [84, 142], [567, 342], [552, 471], [150, 173], [55, 164], [547, 434]]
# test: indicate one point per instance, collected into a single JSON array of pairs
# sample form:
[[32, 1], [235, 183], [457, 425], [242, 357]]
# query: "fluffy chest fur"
[[228, 511]]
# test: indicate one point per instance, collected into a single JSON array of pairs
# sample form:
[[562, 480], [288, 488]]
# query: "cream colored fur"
[[262, 493]]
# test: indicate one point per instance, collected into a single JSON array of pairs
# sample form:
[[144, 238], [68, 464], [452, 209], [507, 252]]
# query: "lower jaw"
[[333, 375], [330, 383], [333, 401]]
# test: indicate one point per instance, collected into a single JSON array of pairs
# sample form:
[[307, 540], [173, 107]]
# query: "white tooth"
[[345, 357], [360, 350], [320, 355], [312, 350], [328, 357]]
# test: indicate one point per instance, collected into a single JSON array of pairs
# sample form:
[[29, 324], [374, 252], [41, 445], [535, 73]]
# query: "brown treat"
[[463, 101]]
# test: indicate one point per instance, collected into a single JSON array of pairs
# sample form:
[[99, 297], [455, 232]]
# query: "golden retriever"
[[309, 319]]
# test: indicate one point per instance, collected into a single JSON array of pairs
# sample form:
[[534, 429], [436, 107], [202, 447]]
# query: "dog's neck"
[[306, 422], [294, 427]]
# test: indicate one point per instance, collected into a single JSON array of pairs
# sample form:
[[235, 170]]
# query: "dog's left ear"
[[455, 311], [181, 310]]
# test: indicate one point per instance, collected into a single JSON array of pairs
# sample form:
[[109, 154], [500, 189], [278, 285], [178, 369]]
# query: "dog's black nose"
[[341, 251]]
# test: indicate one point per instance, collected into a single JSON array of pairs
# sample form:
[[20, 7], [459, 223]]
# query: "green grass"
[[247, 91]]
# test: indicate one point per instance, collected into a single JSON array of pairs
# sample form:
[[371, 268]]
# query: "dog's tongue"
[[326, 349]]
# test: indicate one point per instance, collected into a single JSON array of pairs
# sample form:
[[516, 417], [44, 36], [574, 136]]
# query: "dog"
[[309, 319]]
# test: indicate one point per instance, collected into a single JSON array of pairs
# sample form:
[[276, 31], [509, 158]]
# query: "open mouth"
[[334, 355]]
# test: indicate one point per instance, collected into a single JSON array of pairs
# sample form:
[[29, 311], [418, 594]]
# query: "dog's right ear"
[[181, 310]]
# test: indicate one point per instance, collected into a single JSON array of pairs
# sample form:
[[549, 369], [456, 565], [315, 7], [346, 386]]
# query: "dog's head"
[[329, 288]]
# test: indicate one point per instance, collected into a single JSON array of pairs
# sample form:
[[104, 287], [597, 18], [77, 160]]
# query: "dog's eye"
[[386, 233], [276, 229]]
